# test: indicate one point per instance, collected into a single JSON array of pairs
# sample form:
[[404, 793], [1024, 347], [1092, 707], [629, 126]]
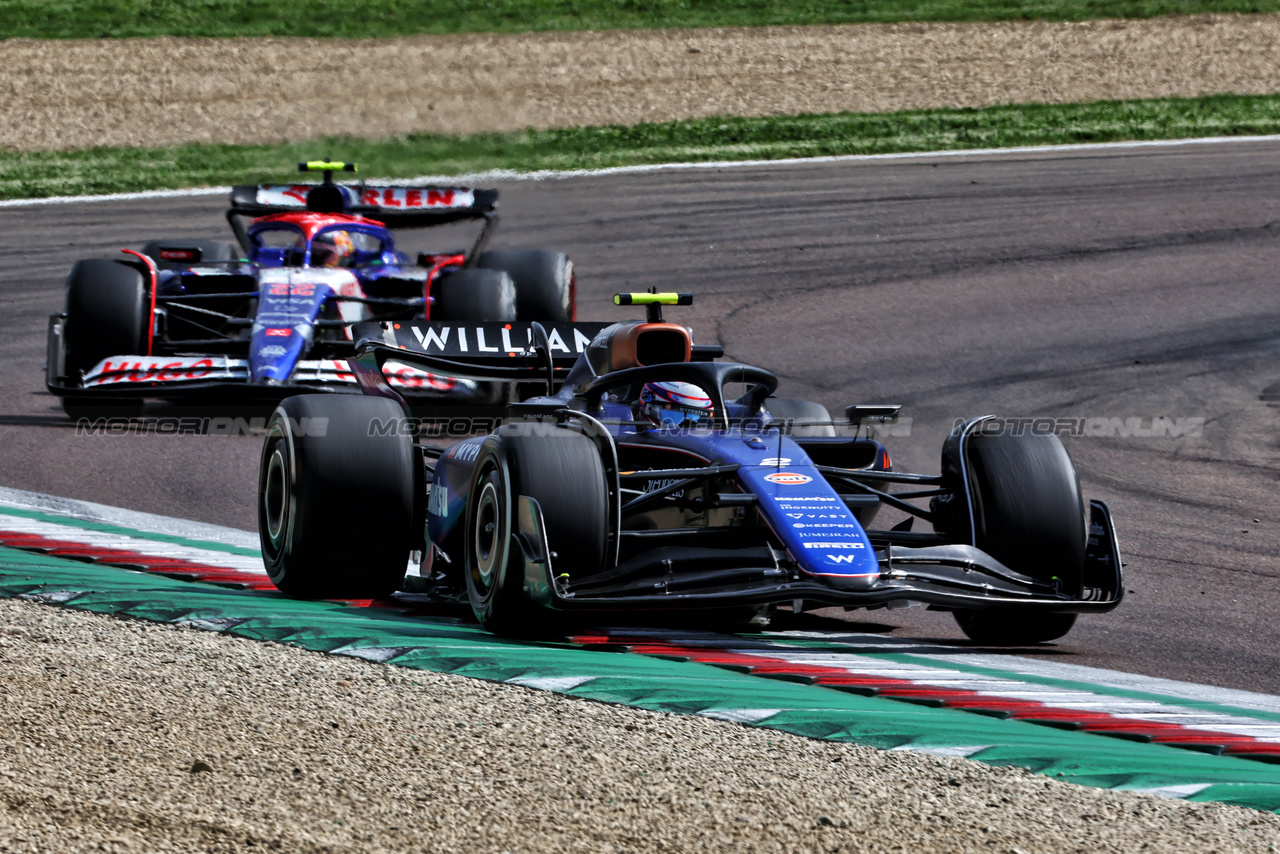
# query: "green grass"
[[107, 170], [366, 18]]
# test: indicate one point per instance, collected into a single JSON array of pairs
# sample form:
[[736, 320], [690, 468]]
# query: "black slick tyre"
[[336, 497], [473, 295], [107, 315], [543, 280], [1028, 514], [795, 413], [561, 470]]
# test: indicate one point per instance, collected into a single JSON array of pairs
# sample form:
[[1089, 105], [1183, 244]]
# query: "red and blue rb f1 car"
[[200, 319]]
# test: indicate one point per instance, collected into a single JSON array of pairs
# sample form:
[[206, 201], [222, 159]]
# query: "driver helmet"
[[332, 249], [676, 404]]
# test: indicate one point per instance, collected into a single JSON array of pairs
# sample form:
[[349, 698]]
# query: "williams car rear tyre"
[[800, 411], [543, 279], [471, 296], [336, 497], [1029, 515], [210, 250], [561, 470]]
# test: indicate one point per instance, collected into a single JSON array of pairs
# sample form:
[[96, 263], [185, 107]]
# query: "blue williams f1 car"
[[205, 320], [657, 479]]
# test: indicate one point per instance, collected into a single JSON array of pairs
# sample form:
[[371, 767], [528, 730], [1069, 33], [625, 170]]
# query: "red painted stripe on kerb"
[[1031, 711], [178, 567], [129, 559], [1100, 723]]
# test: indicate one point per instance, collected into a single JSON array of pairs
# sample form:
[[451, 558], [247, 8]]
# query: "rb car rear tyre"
[[336, 497], [543, 280], [1029, 515], [472, 296], [107, 306], [562, 471]]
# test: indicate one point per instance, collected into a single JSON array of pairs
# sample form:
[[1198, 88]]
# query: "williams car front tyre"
[[561, 470], [1013, 628], [1029, 515]]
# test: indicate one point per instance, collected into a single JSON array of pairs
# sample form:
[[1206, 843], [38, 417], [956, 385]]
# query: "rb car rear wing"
[[396, 206]]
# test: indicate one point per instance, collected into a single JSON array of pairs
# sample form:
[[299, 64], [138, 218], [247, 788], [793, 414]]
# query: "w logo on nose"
[[842, 558]]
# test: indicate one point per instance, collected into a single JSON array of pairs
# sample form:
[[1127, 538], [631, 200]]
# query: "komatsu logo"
[[438, 502]]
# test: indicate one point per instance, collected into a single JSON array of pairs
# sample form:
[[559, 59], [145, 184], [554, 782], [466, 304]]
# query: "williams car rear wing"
[[503, 352]]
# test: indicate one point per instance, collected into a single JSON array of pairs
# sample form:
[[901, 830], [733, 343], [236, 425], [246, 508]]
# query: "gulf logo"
[[788, 478]]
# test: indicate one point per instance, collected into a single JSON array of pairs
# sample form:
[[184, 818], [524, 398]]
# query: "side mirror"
[[859, 413]]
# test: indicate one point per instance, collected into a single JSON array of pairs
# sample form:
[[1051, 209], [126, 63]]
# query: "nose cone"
[[273, 354], [288, 303]]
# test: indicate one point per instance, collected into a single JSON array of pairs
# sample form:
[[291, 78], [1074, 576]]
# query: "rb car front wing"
[[188, 376]]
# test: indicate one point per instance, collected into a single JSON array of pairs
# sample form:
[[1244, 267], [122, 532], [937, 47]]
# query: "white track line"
[[1015, 666], [144, 522], [150, 548], [553, 175]]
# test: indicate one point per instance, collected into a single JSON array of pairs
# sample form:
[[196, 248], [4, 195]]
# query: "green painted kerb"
[[446, 646]]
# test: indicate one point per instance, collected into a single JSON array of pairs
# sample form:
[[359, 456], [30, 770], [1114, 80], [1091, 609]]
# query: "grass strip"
[[385, 18], [111, 170]]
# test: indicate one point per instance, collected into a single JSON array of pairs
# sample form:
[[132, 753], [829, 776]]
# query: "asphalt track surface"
[[1070, 285]]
